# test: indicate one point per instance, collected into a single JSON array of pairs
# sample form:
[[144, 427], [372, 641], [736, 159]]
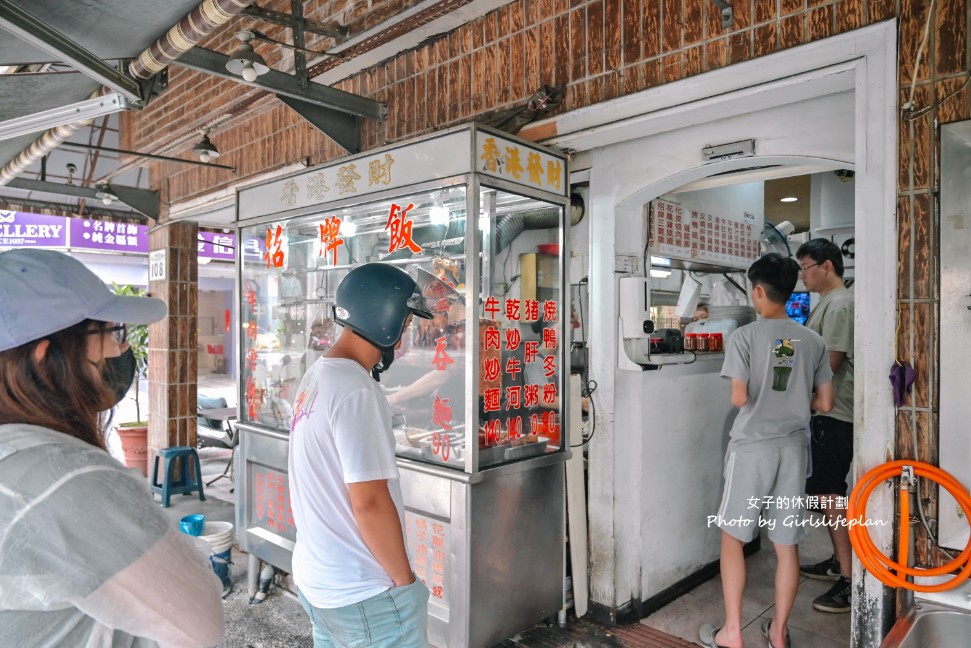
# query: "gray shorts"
[[764, 488]]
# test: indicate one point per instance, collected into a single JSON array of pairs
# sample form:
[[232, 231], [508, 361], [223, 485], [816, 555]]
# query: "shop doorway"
[[822, 107]]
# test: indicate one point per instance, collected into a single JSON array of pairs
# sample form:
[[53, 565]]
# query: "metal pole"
[[147, 155]]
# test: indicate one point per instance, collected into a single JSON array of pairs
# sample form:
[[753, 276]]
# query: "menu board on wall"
[[680, 233]]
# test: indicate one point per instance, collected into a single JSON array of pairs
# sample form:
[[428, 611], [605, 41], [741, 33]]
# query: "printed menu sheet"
[[685, 234]]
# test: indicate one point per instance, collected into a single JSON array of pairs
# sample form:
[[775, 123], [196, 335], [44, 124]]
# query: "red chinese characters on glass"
[[514, 397], [549, 394], [399, 227], [442, 412], [274, 247], [513, 367], [252, 399], [442, 360], [491, 307], [513, 339], [531, 396], [532, 351], [549, 311], [491, 339], [491, 398], [549, 338], [549, 366], [532, 310], [512, 309], [491, 368], [330, 238]]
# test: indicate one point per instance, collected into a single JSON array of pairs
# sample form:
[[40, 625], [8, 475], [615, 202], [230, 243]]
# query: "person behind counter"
[[774, 364], [86, 556], [350, 563], [435, 380], [821, 266], [701, 313]]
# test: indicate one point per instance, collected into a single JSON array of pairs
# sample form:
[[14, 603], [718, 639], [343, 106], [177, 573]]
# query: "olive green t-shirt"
[[833, 319]]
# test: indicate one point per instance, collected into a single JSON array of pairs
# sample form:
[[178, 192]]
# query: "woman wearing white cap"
[[86, 556]]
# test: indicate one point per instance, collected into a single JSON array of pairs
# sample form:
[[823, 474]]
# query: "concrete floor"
[[807, 627], [279, 622]]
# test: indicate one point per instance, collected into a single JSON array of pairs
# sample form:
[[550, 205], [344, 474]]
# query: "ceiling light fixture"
[[788, 199], [104, 193], [348, 228], [245, 61], [439, 214], [205, 149]]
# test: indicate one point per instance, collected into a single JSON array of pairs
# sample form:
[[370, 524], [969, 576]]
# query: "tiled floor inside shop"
[[279, 622], [807, 627]]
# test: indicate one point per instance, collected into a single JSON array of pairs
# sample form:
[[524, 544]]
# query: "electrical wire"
[[909, 114], [587, 392], [589, 386], [920, 52]]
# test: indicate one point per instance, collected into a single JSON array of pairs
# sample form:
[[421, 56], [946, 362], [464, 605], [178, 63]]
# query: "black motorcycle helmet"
[[374, 300]]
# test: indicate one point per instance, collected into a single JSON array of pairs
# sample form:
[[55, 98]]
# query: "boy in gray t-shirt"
[[774, 365]]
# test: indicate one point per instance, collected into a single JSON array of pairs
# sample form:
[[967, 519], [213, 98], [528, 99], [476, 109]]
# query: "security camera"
[[845, 175], [72, 168]]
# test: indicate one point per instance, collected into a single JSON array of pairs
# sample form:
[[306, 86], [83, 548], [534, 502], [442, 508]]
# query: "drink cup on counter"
[[701, 342], [716, 343], [691, 342]]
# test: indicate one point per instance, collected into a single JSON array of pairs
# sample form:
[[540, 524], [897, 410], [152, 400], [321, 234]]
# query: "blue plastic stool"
[[177, 457]]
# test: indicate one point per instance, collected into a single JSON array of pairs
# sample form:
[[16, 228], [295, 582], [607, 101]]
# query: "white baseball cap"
[[43, 292]]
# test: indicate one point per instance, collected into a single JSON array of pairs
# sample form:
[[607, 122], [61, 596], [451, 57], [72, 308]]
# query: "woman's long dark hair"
[[62, 392]]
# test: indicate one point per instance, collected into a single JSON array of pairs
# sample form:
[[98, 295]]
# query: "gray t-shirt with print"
[[781, 360], [833, 319]]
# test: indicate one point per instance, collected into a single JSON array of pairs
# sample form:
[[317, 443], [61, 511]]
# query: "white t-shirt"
[[341, 434]]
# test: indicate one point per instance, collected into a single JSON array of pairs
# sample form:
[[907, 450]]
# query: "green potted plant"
[[134, 434]]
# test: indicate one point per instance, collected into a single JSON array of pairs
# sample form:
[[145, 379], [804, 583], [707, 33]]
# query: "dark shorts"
[[832, 452]]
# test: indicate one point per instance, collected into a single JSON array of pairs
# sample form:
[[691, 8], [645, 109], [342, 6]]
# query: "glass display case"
[[487, 376], [477, 391]]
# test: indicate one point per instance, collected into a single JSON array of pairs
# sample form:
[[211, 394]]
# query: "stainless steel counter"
[[489, 546]]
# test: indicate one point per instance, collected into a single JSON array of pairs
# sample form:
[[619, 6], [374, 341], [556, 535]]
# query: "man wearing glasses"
[[821, 270]]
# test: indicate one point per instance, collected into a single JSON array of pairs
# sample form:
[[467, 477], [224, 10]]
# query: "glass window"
[[290, 273], [521, 330]]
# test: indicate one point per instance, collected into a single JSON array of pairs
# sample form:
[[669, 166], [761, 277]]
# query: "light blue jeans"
[[395, 618]]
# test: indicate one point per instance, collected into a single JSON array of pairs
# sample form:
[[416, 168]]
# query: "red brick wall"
[[598, 49], [943, 70], [601, 49]]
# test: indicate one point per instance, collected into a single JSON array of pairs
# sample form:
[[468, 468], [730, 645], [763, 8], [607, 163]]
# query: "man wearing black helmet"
[[350, 563]]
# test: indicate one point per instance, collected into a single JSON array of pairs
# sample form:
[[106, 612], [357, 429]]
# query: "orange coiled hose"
[[882, 567]]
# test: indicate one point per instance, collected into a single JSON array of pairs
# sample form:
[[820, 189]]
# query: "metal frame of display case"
[[501, 528]]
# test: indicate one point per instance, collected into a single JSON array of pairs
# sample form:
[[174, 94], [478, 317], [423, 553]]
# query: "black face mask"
[[119, 374]]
